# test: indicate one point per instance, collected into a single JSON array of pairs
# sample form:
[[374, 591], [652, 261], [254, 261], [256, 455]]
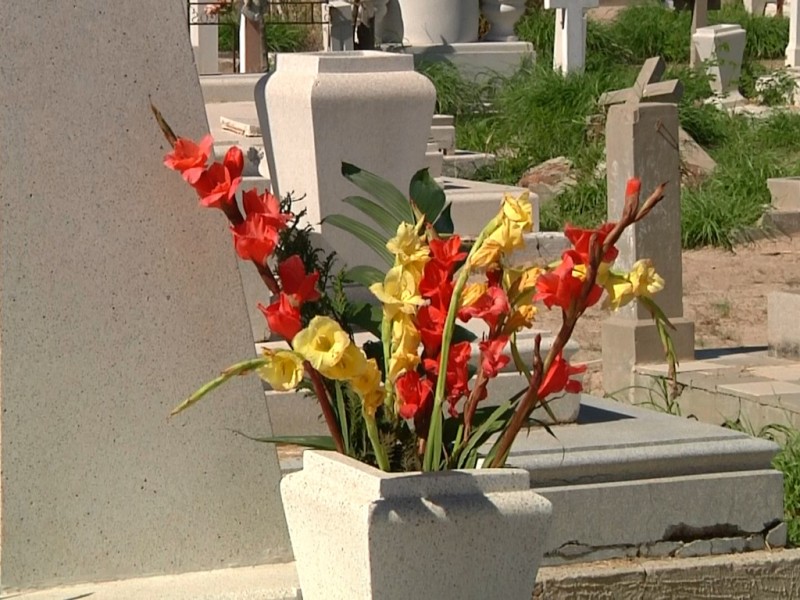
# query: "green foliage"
[[788, 462], [454, 95]]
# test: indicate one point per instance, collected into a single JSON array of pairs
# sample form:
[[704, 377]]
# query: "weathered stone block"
[[783, 324]]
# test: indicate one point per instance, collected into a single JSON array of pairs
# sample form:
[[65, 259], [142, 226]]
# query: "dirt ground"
[[724, 293]]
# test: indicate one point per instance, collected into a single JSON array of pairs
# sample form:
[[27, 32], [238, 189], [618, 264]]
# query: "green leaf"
[[444, 224], [376, 212], [364, 275], [380, 189], [366, 316], [427, 195], [317, 442], [364, 233], [242, 368]]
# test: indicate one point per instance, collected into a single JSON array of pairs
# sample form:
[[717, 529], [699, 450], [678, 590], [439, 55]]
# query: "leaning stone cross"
[[569, 51], [648, 87]]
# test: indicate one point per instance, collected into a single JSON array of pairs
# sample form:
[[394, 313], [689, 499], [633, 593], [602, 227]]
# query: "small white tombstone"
[[721, 47], [337, 35], [569, 51], [203, 30], [793, 49]]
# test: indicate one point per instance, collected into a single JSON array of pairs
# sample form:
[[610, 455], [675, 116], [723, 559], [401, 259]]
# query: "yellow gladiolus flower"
[[405, 335], [523, 316], [368, 380], [619, 290], [488, 254], [373, 401], [408, 247], [644, 279], [400, 362], [527, 280], [351, 364], [518, 210], [284, 371], [322, 343], [398, 293], [472, 292]]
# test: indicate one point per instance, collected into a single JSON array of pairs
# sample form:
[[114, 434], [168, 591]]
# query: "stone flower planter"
[[358, 533]]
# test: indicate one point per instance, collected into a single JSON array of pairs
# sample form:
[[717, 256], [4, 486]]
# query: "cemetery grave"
[[190, 509]]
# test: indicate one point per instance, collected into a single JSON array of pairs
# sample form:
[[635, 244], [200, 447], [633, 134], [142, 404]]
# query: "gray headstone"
[[119, 297], [642, 141]]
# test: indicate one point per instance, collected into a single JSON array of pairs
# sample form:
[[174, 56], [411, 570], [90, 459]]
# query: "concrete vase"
[[445, 22], [359, 533], [502, 16]]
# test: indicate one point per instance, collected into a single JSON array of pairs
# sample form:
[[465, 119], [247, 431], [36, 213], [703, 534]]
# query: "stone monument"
[[120, 296], [642, 141], [569, 48]]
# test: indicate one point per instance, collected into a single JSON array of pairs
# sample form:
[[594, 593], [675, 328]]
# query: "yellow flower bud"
[[284, 371]]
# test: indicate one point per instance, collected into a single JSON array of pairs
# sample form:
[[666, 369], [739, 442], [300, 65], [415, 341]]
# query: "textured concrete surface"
[[264, 582], [119, 297], [763, 575], [785, 192], [401, 528]]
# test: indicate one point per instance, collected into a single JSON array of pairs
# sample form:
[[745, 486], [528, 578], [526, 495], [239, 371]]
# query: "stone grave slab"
[[120, 296], [625, 479]]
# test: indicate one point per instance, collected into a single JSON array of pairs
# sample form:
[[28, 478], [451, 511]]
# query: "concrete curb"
[[764, 575]]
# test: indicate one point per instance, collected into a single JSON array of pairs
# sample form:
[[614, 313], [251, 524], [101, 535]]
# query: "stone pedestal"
[[120, 296], [204, 33], [337, 35], [369, 109], [722, 48], [642, 141], [479, 60], [783, 324]]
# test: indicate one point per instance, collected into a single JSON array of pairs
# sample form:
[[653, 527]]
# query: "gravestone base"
[[473, 60], [637, 342]]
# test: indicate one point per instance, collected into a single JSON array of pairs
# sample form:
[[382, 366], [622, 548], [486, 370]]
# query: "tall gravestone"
[[119, 297], [642, 141]]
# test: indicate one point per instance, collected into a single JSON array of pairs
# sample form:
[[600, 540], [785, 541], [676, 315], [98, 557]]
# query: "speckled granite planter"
[[359, 533]]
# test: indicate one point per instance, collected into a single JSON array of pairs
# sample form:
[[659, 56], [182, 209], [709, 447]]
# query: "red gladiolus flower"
[[267, 205], [296, 284], [436, 285], [189, 158], [430, 324], [217, 185], [489, 307], [581, 238], [255, 239], [562, 286], [633, 187], [492, 357], [457, 377], [446, 253], [557, 378], [414, 392], [283, 317]]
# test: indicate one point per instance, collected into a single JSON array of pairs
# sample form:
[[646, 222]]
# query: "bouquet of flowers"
[[411, 398]]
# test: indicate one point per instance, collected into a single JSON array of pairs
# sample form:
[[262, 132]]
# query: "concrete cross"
[[699, 19], [648, 87], [569, 52]]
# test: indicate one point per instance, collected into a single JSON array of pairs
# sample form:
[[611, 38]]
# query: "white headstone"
[[204, 32], [721, 48], [120, 296], [569, 51], [793, 49]]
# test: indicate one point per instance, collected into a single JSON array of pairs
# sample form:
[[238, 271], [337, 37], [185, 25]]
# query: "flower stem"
[[325, 405], [380, 451], [433, 451]]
